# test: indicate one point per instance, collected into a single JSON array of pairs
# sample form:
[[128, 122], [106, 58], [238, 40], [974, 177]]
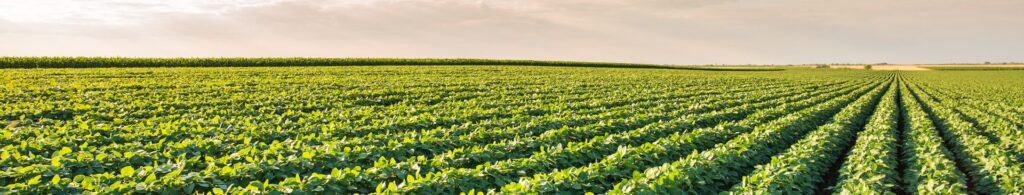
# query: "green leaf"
[[392, 187], [150, 178], [87, 183], [173, 174], [380, 187], [127, 171], [55, 161], [34, 180], [227, 171], [62, 152]]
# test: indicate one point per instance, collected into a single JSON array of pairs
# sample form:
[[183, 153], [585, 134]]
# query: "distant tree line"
[[122, 62]]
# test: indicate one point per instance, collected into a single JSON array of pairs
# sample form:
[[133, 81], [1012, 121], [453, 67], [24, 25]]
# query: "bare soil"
[[885, 67], [919, 67]]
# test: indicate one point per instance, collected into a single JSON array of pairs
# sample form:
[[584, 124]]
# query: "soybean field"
[[508, 129]]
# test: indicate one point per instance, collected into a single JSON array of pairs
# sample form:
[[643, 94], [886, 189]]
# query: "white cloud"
[[657, 31], [113, 11]]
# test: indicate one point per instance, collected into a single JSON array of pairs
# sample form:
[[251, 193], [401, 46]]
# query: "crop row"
[[930, 167], [579, 153], [385, 168], [993, 170], [506, 129], [996, 122], [158, 130], [801, 168], [872, 165], [717, 169]]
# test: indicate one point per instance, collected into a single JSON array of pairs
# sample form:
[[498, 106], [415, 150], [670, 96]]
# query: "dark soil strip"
[[831, 177], [901, 165]]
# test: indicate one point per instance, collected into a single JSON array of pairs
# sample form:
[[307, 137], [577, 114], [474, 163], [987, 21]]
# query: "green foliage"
[[718, 168], [871, 166], [993, 168], [480, 129], [930, 165], [802, 167], [630, 159]]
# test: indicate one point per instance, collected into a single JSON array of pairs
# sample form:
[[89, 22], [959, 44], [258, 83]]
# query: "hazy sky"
[[649, 31]]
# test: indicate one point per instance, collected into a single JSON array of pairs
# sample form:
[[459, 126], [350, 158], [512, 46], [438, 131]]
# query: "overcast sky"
[[647, 31]]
